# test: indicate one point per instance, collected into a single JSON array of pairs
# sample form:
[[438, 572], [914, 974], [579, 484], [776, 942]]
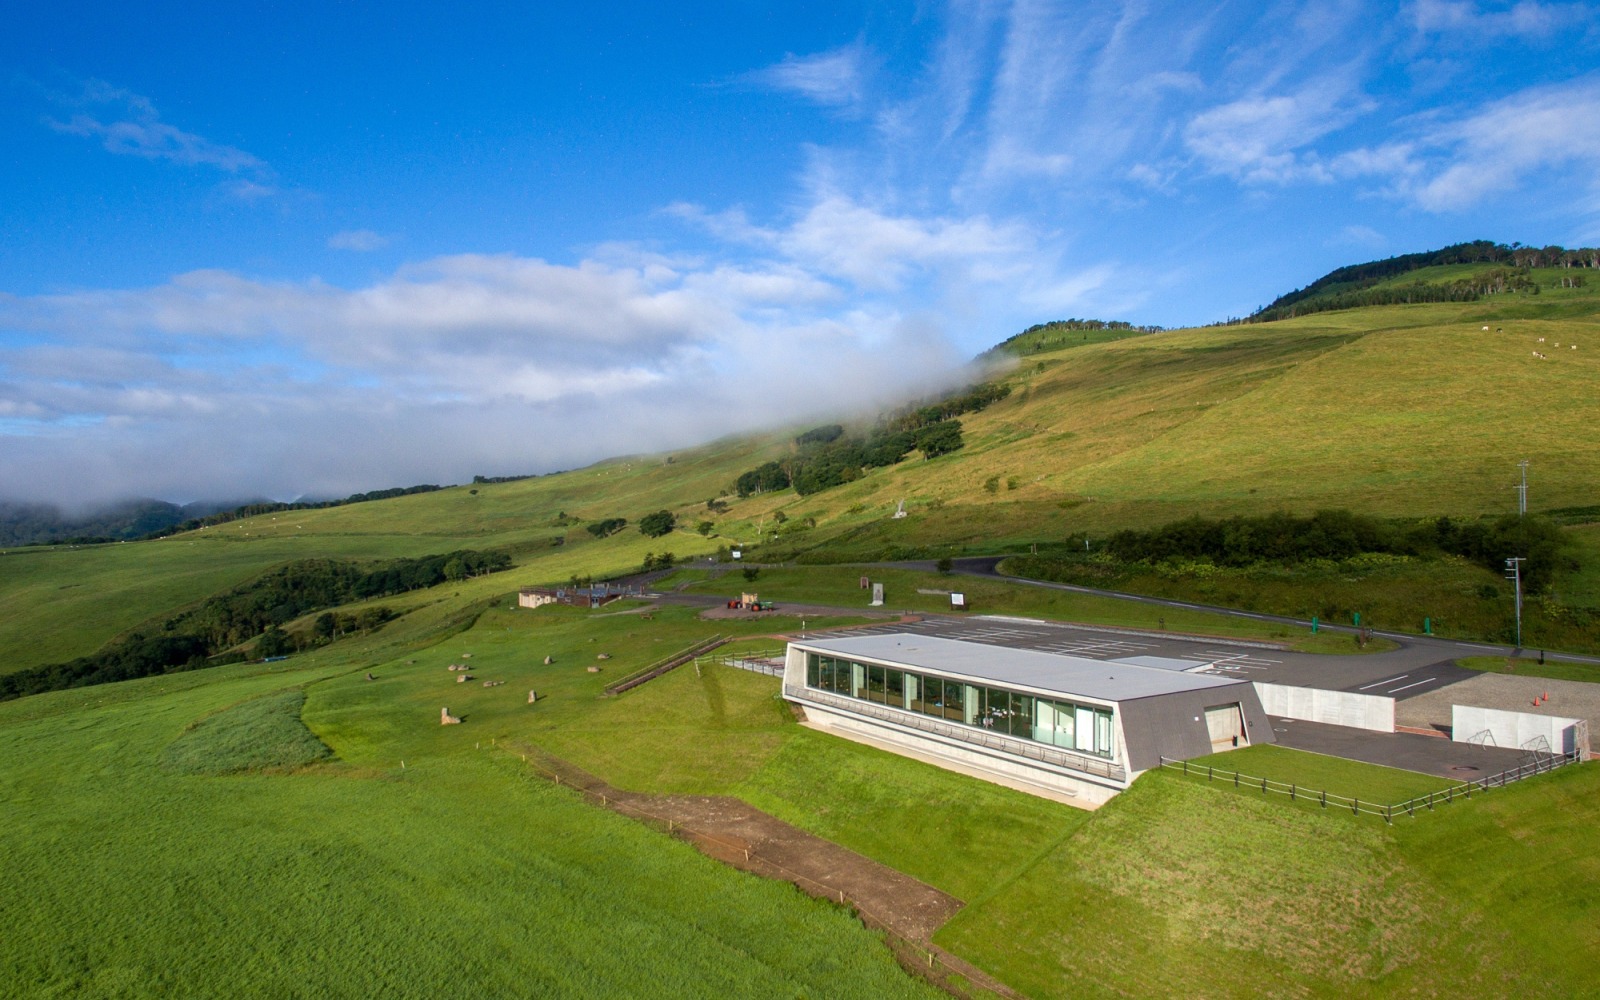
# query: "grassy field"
[[1318, 773], [457, 874], [138, 812], [458, 870]]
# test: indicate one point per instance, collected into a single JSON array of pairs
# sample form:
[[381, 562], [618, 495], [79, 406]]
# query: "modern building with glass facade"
[[1062, 726]]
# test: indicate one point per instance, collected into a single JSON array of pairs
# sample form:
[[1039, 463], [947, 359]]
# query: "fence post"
[[1388, 815], [1291, 793], [1263, 786], [1208, 766], [1355, 807], [1324, 798]]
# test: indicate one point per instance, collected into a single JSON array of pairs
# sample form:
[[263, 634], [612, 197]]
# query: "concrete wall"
[[1514, 730], [1336, 708]]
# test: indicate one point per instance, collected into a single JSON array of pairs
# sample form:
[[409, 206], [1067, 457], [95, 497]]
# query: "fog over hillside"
[[519, 241]]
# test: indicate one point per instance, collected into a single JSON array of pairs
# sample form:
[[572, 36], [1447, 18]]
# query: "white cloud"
[[1526, 19], [218, 383], [1363, 237], [128, 123], [836, 78], [1262, 139], [358, 240], [1455, 165]]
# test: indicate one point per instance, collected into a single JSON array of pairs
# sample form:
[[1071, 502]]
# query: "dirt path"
[[746, 838]]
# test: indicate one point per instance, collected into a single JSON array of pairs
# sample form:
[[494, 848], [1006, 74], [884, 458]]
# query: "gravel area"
[[1568, 699]]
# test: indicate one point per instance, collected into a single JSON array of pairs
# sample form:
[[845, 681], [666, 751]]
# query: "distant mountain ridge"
[[35, 524], [1354, 285]]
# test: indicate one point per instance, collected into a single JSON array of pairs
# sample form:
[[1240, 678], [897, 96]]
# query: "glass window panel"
[[875, 683], [1065, 727], [1084, 723], [894, 688], [915, 689], [1102, 732], [1044, 715], [858, 680], [1022, 716], [813, 670], [955, 701]]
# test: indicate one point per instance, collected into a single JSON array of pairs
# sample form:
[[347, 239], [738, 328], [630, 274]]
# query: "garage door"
[[1225, 723]]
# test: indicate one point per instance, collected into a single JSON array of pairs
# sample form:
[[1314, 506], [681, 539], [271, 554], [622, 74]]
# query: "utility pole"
[[1514, 574], [1522, 491]]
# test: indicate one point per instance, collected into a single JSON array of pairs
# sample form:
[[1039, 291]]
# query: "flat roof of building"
[[1056, 673]]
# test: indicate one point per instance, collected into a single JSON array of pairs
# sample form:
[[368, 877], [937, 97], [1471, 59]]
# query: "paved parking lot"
[[1403, 673], [1410, 752]]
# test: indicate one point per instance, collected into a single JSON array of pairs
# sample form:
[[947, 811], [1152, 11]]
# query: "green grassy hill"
[[140, 811], [190, 835], [1396, 410]]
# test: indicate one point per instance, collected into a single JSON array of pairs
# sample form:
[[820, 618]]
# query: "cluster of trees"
[[259, 608], [481, 480], [827, 456], [1340, 534], [816, 467], [273, 507], [662, 522], [609, 526], [652, 562], [137, 656], [1350, 287], [655, 525], [1045, 336]]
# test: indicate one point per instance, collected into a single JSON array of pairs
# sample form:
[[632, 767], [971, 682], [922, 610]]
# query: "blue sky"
[[268, 250]]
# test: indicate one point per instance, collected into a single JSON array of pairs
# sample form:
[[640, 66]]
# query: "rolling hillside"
[[1396, 410], [317, 819]]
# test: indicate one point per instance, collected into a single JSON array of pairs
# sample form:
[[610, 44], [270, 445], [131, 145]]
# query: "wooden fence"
[[1540, 764]]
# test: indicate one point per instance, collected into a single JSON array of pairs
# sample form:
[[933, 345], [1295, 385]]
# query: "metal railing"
[[965, 734], [663, 665], [761, 661], [1540, 764]]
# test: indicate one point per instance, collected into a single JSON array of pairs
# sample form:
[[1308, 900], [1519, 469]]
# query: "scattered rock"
[[549, 660], [446, 719], [492, 684], [533, 696], [466, 656], [463, 678], [603, 656], [370, 677], [592, 670]]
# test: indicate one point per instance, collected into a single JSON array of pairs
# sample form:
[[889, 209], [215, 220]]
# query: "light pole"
[[1514, 574], [1522, 491]]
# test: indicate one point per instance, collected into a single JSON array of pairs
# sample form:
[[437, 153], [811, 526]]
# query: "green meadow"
[[293, 828], [190, 834]]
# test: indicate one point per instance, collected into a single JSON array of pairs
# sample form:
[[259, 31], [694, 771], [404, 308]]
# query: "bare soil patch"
[[740, 835]]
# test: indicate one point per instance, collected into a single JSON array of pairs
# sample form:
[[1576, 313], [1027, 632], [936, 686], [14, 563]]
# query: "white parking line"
[[1426, 680], [1386, 680]]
